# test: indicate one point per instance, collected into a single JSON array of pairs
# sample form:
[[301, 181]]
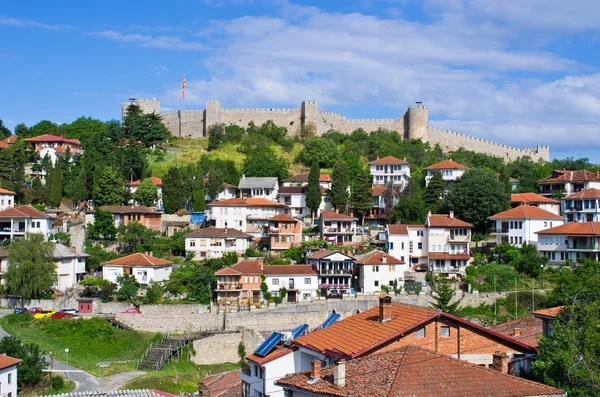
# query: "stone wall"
[[225, 344]]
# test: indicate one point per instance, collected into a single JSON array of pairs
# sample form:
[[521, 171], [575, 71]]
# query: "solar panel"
[[330, 320], [269, 344], [299, 331]]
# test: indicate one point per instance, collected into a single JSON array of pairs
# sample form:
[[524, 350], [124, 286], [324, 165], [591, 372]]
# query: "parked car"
[[35, 310], [133, 310], [44, 314], [62, 314], [71, 311], [20, 310]]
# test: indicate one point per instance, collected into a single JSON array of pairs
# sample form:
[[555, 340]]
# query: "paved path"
[[113, 382]]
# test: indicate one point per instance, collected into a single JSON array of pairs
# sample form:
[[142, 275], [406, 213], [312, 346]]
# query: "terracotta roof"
[[7, 361], [526, 212], [138, 259], [225, 184], [225, 384], [156, 181], [530, 329], [304, 178], [129, 209], [402, 229], [376, 257], [551, 312], [335, 215], [379, 190], [444, 220], [227, 271], [389, 160], [584, 194], [11, 139], [532, 198], [25, 211], [5, 191], [447, 165], [4, 145], [218, 232], [248, 202], [292, 189], [571, 176], [283, 218], [248, 267], [574, 229], [322, 253], [513, 180], [274, 354], [289, 269], [415, 372], [52, 138], [445, 255]]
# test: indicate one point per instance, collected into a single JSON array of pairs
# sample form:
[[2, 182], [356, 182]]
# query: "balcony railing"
[[503, 230], [594, 247], [229, 286], [450, 270], [337, 230], [335, 286], [336, 271]]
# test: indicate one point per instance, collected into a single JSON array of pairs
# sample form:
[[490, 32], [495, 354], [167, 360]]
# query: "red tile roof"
[[11, 139], [218, 233], [156, 181], [23, 211], [322, 253], [248, 202], [415, 372], [5, 191], [389, 160], [138, 259], [584, 194], [447, 165], [574, 229], [227, 271], [304, 178], [274, 354], [4, 145], [335, 215], [53, 138], [129, 209], [289, 270], [7, 361], [292, 189], [248, 267], [380, 190], [377, 257], [531, 198], [526, 212], [403, 229], [225, 384], [283, 218], [444, 220], [571, 176], [551, 312], [445, 255], [530, 329]]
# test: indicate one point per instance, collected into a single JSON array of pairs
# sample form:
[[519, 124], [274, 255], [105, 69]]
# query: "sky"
[[519, 72]]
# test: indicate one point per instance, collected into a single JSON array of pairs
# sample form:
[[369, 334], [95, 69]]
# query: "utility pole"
[[532, 295], [516, 293], [495, 298]]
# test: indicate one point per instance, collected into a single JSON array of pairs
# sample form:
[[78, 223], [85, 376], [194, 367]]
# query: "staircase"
[[159, 353], [118, 323]]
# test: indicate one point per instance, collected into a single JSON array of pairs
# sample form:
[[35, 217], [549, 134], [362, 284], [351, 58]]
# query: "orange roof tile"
[[584, 194], [379, 190], [283, 218], [7, 361], [403, 229], [377, 257], [304, 178], [224, 384], [249, 202], [320, 254], [227, 271], [532, 198], [5, 191], [388, 160], [574, 229], [155, 180], [248, 267], [551, 312], [289, 269], [52, 138], [447, 165], [23, 211], [335, 215], [526, 212], [274, 354], [138, 259], [530, 329], [444, 220], [571, 176], [415, 372]]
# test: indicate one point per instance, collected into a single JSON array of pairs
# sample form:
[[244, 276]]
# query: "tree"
[[173, 199], [390, 195], [216, 136], [154, 293], [108, 187], [362, 194], [264, 162], [103, 227], [339, 187], [444, 292], [199, 199], [44, 127], [30, 369], [21, 130], [432, 196], [128, 286], [477, 195], [55, 182], [31, 270], [201, 283], [136, 237], [147, 193], [264, 288], [321, 150], [146, 128], [313, 192], [409, 210], [4, 132], [529, 262]]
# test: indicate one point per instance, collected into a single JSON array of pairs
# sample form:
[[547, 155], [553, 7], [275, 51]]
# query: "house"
[[6, 143], [132, 187], [8, 375], [337, 229], [227, 191], [144, 267], [335, 270], [7, 199], [563, 182], [583, 206], [526, 329], [259, 187], [379, 196], [448, 240], [224, 384], [390, 169], [325, 180], [20, 221], [70, 266], [54, 146], [547, 316], [300, 281], [535, 200], [240, 283], [377, 270], [126, 214], [412, 371], [570, 241], [212, 242], [450, 170], [3, 264], [519, 225], [407, 243], [249, 215], [295, 198], [284, 231]]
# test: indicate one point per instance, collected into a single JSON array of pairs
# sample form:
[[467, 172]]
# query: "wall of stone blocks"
[[225, 344], [288, 118]]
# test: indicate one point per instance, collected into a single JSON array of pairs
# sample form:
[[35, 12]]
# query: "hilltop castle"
[[413, 124]]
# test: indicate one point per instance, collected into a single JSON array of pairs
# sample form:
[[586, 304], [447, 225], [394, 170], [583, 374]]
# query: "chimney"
[[500, 362], [384, 259], [150, 253], [405, 159], [451, 214], [73, 250], [339, 373], [385, 308], [516, 331], [337, 210], [225, 229], [315, 370], [377, 157]]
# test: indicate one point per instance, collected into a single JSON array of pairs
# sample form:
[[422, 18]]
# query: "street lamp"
[[51, 363], [542, 277], [67, 352]]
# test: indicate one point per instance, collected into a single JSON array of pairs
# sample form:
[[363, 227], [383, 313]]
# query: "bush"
[[57, 382]]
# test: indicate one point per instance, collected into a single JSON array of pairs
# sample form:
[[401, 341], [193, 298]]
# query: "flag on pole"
[[183, 84]]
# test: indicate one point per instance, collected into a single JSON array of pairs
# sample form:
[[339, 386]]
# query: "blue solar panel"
[[269, 344], [299, 331], [330, 320]]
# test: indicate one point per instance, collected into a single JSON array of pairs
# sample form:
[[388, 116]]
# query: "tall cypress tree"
[[173, 191], [362, 193], [434, 192], [339, 187], [55, 182], [313, 193]]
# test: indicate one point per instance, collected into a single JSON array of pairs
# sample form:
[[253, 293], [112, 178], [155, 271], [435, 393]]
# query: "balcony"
[[583, 247], [459, 237], [335, 286], [336, 271], [228, 286], [448, 270], [503, 230], [338, 230], [273, 230]]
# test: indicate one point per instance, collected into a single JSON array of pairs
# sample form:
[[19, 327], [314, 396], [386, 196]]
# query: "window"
[[420, 332], [275, 281], [521, 225], [420, 233], [307, 280], [192, 243], [391, 246], [445, 331], [391, 283], [245, 279], [245, 389], [9, 378], [375, 268], [391, 268], [402, 245], [420, 245], [377, 283]]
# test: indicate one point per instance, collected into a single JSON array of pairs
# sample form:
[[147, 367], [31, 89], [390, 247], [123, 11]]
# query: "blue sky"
[[521, 72]]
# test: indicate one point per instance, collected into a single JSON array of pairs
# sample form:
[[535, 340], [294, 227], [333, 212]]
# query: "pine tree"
[[444, 292], [313, 193], [339, 187], [199, 199], [434, 192], [108, 187], [173, 199], [362, 194]]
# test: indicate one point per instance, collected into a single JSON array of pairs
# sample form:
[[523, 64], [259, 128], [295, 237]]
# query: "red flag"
[[183, 84]]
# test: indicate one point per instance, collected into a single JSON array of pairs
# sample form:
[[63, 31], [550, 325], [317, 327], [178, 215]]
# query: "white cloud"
[[162, 42], [23, 23]]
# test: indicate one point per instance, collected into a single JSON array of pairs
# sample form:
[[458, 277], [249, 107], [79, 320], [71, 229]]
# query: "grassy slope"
[[89, 341], [178, 376]]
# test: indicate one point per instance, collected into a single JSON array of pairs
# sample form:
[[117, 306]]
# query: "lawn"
[[179, 376], [89, 341], [44, 389]]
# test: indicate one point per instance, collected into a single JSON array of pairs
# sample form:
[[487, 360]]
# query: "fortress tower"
[[417, 122], [146, 106]]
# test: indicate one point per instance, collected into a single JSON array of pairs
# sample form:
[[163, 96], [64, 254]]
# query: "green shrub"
[[57, 382]]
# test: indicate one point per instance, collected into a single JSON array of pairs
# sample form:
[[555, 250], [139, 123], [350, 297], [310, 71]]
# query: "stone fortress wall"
[[413, 124]]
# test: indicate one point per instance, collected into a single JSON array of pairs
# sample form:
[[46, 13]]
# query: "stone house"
[[390, 169], [568, 182], [335, 270], [337, 229], [376, 269], [570, 241], [7, 199], [259, 187], [20, 221], [535, 200], [450, 170], [70, 266], [583, 206]]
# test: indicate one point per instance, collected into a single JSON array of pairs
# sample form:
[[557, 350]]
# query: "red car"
[[61, 315], [35, 310], [133, 310]]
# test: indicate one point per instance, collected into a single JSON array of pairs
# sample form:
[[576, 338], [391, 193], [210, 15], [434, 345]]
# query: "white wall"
[[448, 175], [299, 283], [6, 386], [67, 270], [7, 201], [203, 245], [553, 246], [382, 173], [522, 231], [383, 274], [158, 274]]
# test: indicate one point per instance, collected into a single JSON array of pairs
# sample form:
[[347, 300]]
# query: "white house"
[[583, 206], [212, 242], [259, 187], [390, 169], [227, 192], [264, 371], [132, 187], [143, 267], [450, 170], [335, 270], [295, 198], [247, 215], [519, 225], [337, 229], [535, 200], [70, 266], [325, 180], [376, 269], [407, 243], [300, 281], [570, 241], [19, 221], [8, 375], [7, 199], [569, 182]]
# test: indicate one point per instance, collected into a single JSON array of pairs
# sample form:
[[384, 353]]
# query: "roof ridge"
[[400, 371]]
